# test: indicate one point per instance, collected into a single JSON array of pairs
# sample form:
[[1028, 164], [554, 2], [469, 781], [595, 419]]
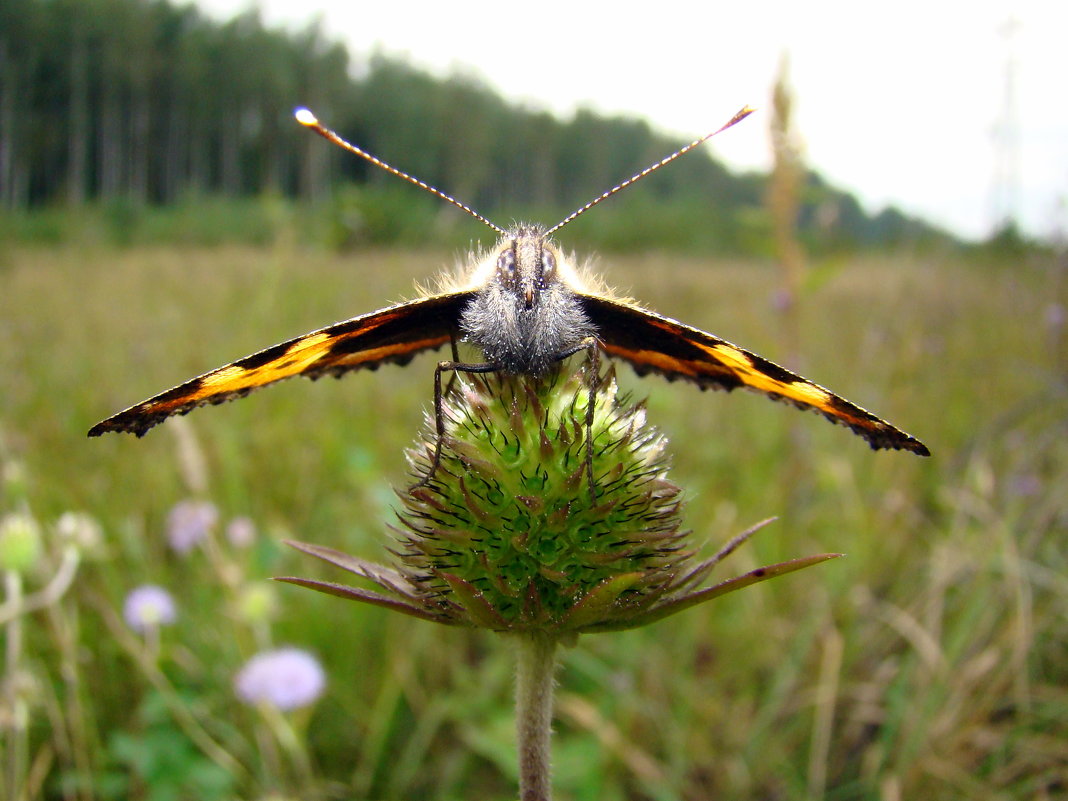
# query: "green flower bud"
[[507, 525], [256, 603], [20, 542]]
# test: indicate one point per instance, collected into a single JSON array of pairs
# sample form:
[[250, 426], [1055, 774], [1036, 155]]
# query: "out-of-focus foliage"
[[931, 662]]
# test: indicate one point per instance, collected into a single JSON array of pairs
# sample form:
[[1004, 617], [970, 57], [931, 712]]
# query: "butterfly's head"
[[527, 263], [524, 315]]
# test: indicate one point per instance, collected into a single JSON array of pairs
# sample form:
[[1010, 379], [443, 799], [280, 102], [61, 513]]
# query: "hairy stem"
[[536, 660]]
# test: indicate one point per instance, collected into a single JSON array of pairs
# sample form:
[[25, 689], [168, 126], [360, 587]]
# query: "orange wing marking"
[[392, 335], [652, 343]]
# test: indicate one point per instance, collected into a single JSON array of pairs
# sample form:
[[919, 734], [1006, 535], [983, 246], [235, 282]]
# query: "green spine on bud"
[[507, 528]]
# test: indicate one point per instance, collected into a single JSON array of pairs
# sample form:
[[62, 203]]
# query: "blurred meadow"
[[931, 662]]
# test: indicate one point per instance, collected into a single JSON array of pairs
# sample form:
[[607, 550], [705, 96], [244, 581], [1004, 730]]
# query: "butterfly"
[[527, 307]]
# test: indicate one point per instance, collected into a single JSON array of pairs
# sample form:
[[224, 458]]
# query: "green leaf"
[[700, 596], [366, 596], [598, 602]]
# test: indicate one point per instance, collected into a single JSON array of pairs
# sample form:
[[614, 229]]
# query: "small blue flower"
[[148, 607], [286, 678], [189, 523]]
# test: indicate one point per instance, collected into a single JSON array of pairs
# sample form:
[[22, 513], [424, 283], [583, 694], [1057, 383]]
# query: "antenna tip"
[[305, 117], [745, 111]]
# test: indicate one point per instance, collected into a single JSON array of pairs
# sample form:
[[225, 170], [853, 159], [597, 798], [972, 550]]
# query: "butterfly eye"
[[548, 264], [506, 264]]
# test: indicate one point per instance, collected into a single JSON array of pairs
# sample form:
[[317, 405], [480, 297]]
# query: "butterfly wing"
[[656, 344], [392, 335]]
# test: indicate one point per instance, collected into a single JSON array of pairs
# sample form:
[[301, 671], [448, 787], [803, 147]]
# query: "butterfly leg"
[[593, 354], [593, 350], [452, 367], [455, 359]]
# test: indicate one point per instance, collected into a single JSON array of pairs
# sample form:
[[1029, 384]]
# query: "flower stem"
[[18, 725], [536, 660]]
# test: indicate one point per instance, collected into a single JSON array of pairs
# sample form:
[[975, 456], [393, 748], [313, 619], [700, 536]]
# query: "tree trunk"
[[228, 129], [140, 142], [109, 146], [8, 134], [78, 129], [175, 151]]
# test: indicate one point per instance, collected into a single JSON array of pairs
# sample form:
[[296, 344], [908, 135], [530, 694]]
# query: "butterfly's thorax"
[[525, 316]]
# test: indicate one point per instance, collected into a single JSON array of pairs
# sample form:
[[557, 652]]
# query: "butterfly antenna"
[[741, 115], [309, 120]]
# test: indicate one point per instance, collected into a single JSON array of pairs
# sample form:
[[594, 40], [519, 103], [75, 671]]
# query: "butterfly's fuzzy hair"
[[476, 269]]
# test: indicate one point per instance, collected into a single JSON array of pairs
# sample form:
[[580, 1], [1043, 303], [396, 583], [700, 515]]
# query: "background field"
[[931, 663]]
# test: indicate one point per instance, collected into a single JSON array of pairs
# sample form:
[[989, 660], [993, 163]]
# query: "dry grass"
[[932, 663]]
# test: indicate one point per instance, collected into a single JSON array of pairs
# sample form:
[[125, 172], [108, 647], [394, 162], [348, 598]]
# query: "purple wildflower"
[[148, 607], [286, 678], [189, 523], [1056, 316], [782, 300], [241, 532]]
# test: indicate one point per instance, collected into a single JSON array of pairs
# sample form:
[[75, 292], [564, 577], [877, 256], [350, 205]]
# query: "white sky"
[[899, 105]]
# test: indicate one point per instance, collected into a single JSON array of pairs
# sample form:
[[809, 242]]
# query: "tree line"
[[152, 103]]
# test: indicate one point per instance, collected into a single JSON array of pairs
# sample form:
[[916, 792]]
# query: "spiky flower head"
[[511, 525], [512, 530]]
